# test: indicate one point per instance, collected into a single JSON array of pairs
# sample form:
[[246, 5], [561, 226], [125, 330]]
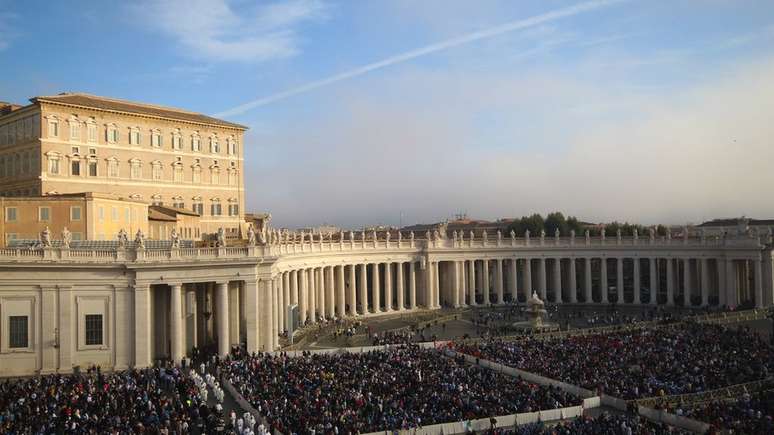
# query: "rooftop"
[[112, 104]]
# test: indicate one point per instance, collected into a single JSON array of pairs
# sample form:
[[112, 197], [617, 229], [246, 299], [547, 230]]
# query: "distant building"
[[740, 225]]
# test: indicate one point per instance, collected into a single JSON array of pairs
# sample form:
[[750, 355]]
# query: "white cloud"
[[213, 30], [430, 143]]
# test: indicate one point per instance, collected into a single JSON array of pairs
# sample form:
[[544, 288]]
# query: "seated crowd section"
[[149, 401], [604, 424], [398, 388], [750, 414], [678, 359]]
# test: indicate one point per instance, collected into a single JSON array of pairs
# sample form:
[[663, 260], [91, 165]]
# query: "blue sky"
[[650, 111]]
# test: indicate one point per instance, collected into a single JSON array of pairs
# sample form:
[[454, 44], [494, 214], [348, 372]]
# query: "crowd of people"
[[399, 388], [682, 358], [149, 401], [604, 424], [749, 414]]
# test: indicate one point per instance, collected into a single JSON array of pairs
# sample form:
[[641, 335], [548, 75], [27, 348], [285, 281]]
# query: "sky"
[[403, 111]]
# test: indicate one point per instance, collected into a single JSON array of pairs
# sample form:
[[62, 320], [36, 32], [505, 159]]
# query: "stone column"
[[413, 285], [312, 297], [266, 317], [670, 282], [388, 287], [558, 280], [758, 283], [322, 292], [485, 276], [364, 289], [603, 280], [528, 277], [375, 284], [704, 282], [542, 278], [653, 281], [294, 287], [285, 301], [401, 291], [252, 310], [303, 291], [176, 321], [275, 296], [636, 286], [731, 290], [472, 282], [687, 290], [280, 290], [514, 281], [619, 282], [587, 280], [352, 300], [499, 281], [221, 297], [437, 285], [573, 282], [428, 298], [456, 285], [340, 303], [142, 328], [330, 294]]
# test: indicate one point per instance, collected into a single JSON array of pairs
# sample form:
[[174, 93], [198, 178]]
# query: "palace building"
[[75, 143], [130, 303]]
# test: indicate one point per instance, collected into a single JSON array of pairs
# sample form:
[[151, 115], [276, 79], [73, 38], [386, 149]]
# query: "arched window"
[[156, 141], [134, 136], [177, 139], [177, 170], [156, 199], [158, 170], [231, 146], [91, 130], [135, 169], [111, 133], [112, 167], [214, 144], [215, 174], [75, 128], [196, 142]]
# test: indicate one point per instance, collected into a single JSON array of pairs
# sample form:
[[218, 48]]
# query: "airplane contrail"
[[428, 49]]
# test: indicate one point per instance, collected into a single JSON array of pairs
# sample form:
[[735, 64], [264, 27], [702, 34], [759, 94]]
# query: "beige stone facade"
[[89, 216], [80, 143]]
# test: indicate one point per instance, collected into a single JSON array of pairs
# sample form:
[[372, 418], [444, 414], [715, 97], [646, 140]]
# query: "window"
[[101, 213], [75, 213], [156, 200], [75, 150], [75, 128], [178, 174], [231, 146], [214, 145], [111, 134], [196, 142], [215, 176], [178, 203], [93, 329], [158, 170], [215, 209], [10, 214], [91, 131], [77, 236], [18, 332], [2, 166], [136, 169], [75, 167], [114, 214], [11, 236], [232, 177], [197, 174], [92, 169], [113, 167], [53, 127], [53, 164], [177, 140], [198, 207], [44, 214], [92, 151], [233, 209], [156, 138], [134, 136]]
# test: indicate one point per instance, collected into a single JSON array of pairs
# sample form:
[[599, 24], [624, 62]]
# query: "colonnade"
[[255, 311]]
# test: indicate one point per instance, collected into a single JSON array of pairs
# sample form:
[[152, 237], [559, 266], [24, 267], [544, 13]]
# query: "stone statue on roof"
[[123, 238], [221, 238], [175, 238], [139, 240], [250, 235], [67, 237], [45, 238]]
